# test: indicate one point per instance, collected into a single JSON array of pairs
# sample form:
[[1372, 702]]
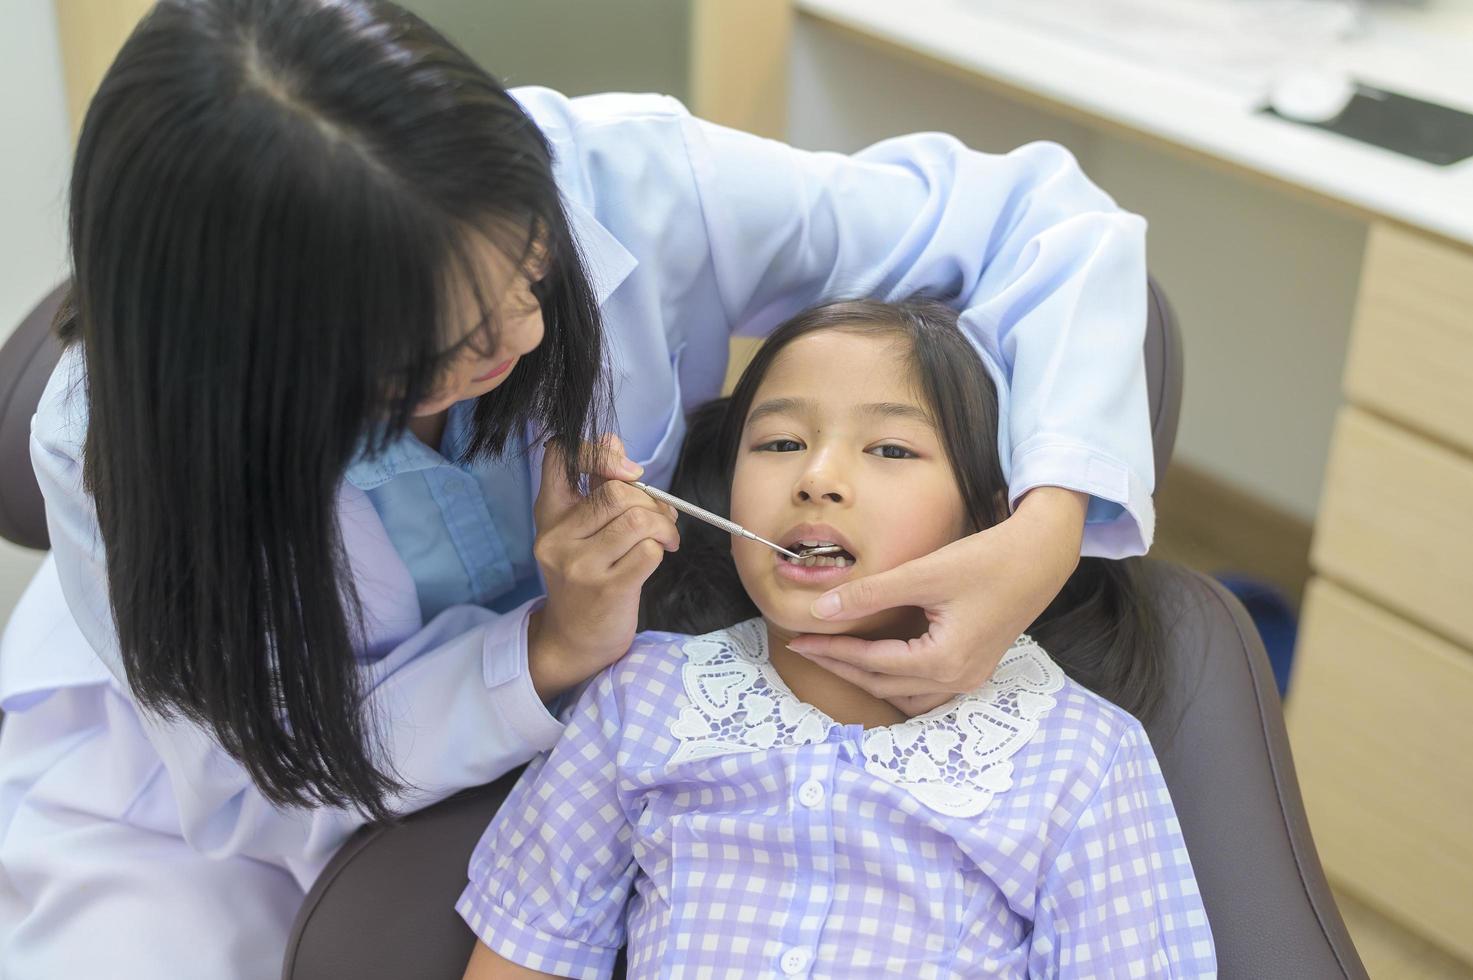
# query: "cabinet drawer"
[[1396, 523], [1380, 716], [1411, 354]]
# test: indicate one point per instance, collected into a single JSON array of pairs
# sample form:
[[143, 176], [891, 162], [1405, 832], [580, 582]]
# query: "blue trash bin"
[[1275, 617]]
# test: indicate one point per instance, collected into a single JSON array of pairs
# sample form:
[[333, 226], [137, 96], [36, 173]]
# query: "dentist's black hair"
[[272, 206], [1099, 628]]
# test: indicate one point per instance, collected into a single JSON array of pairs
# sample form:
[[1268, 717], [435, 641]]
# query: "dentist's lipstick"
[[497, 371]]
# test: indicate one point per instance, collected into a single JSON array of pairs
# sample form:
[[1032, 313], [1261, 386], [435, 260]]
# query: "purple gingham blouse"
[[697, 810]]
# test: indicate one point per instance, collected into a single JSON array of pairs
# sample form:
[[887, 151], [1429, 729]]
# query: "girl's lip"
[[817, 575], [497, 371]]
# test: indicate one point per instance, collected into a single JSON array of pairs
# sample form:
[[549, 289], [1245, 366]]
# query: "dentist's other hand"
[[979, 594]]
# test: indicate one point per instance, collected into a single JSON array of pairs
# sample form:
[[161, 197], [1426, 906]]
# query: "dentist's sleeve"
[[1049, 276], [452, 698]]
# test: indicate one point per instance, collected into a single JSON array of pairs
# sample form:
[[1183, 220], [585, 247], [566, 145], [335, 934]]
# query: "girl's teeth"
[[811, 562]]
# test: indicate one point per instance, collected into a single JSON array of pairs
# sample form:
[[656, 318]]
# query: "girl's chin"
[[798, 625], [787, 612], [791, 614]]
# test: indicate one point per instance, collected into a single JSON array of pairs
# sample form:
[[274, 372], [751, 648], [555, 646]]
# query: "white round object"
[[1312, 95]]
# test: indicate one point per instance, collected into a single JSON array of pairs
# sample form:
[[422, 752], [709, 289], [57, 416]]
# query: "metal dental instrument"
[[731, 527]]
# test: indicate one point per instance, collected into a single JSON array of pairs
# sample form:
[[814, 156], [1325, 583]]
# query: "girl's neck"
[[836, 697]]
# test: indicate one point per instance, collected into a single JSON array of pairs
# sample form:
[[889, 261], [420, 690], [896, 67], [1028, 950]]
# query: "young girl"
[[726, 807]]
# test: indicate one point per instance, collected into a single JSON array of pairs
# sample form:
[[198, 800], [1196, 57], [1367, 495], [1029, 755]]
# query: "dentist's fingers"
[[607, 504], [898, 657], [607, 459], [886, 686], [910, 584], [557, 496], [601, 461]]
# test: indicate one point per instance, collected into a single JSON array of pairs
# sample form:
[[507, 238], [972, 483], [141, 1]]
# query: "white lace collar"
[[954, 758]]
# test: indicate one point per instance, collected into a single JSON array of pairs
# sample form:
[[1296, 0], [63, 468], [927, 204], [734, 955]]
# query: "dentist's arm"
[[1048, 274]]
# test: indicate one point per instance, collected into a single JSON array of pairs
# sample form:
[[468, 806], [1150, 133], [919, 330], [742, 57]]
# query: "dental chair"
[[383, 907]]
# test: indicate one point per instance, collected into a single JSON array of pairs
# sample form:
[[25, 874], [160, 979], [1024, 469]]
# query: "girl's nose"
[[822, 482]]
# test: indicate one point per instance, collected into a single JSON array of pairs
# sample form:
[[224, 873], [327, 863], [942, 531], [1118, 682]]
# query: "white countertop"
[[1415, 54]]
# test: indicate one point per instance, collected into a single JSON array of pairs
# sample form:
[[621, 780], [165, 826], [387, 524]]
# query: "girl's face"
[[839, 447], [471, 371]]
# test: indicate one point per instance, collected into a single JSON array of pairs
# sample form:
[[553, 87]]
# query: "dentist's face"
[[474, 368], [839, 447]]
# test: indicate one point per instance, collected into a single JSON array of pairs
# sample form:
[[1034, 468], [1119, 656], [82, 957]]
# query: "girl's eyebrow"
[[801, 406], [897, 410], [779, 406]]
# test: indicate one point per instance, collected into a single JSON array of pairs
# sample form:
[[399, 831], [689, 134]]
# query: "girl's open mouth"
[[815, 570], [835, 555]]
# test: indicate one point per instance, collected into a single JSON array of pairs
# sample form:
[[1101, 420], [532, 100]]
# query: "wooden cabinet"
[[1381, 706], [1411, 357], [1383, 745], [1396, 522]]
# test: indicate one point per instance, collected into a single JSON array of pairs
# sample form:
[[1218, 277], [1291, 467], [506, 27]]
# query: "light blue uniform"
[[133, 847]]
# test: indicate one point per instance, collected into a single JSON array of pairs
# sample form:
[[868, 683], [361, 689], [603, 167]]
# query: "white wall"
[[35, 149], [35, 152], [1263, 283]]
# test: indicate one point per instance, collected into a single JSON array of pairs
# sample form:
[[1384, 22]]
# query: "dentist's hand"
[[979, 594], [596, 552]]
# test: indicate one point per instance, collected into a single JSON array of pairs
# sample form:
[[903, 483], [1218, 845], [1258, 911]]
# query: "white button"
[[811, 793], [795, 960]]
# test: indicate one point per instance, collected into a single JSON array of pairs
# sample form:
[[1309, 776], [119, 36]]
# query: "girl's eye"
[[780, 446], [893, 452]]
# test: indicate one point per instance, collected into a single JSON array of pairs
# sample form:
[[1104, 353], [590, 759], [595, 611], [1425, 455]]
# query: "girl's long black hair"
[[1099, 628], [272, 206]]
